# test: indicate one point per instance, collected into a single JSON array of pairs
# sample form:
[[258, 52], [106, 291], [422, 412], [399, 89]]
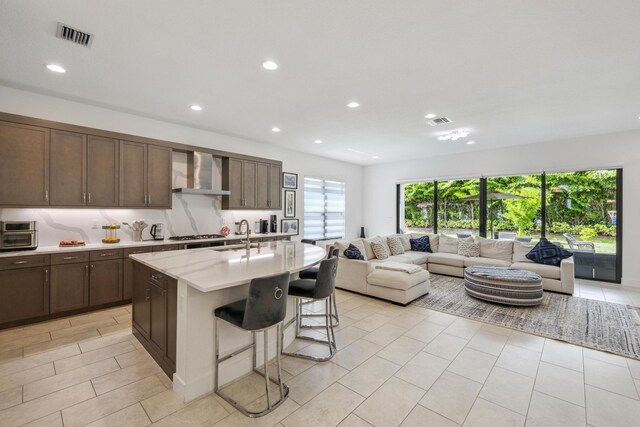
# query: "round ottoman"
[[503, 285]]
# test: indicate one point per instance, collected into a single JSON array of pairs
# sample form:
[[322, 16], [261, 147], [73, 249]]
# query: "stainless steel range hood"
[[200, 176]]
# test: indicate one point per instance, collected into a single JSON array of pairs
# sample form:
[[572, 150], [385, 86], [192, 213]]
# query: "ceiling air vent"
[[439, 121], [65, 32]]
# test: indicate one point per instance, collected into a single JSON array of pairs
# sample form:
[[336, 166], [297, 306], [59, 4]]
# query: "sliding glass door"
[[582, 214], [581, 211]]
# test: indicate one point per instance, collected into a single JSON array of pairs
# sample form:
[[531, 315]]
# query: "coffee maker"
[[273, 221], [264, 226]]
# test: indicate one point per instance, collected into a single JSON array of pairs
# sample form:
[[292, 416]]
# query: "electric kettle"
[[157, 231]]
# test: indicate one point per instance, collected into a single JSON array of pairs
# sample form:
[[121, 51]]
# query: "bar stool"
[[265, 308], [312, 273], [320, 289]]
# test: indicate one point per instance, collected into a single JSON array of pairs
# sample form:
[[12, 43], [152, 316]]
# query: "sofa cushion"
[[396, 279], [547, 253], [379, 249], [434, 240], [520, 251], [498, 249], [546, 271], [404, 238], [468, 249], [420, 244], [395, 245], [411, 257], [352, 252], [368, 252], [485, 262], [448, 244], [453, 260], [343, 245]]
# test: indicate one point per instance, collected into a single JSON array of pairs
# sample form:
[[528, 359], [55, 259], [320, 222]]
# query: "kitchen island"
[[176, 292]]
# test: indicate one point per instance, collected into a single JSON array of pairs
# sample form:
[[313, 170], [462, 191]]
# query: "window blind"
[[324, 209]]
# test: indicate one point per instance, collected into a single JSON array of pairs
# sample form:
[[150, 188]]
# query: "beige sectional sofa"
[[355, 275]]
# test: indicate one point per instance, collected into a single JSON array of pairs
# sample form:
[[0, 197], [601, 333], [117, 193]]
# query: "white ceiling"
[[513, 72]]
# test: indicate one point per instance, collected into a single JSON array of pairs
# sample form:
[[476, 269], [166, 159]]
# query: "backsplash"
[[191, 214]]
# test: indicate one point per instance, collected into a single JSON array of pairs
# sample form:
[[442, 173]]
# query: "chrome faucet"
[[248, 242]]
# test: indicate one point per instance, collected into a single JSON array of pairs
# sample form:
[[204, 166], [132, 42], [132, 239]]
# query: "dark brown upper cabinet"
[[253, 184], [24, 165], [84, 170], [145, 175], [268, 186]]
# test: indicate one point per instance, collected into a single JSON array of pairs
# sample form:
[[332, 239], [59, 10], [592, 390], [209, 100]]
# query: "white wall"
[[600, 151], [191, 213]]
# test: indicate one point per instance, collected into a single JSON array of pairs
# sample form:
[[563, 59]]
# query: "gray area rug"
[[600, 325]]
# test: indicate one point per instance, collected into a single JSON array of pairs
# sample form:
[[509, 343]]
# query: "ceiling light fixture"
[[454, 135], [353, 104], [471, 142], [275, 129], [430, 116], [318, 141], [374, 157], [269, 65], [56, 68], [195, 107]]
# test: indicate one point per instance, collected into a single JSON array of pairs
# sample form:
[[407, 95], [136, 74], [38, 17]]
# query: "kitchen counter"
[[211, 269], [41, 250]]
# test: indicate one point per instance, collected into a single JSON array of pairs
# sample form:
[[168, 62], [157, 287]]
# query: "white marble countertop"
[[212, 269], [41, 250]]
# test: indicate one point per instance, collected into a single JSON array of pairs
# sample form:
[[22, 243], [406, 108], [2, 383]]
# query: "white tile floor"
[[405, 366], [604, 291]]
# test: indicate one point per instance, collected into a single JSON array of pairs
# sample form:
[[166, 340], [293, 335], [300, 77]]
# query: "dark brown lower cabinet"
[[69, 287], [105, 284], [154, 303], [24, 293]]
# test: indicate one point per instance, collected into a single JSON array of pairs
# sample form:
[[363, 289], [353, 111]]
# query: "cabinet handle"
[[70, 257], [156, 277], [106, 254], [148, 294], [92, 269], [149, 199], [84, 198], [46, 275], [19, 262], [145, 199], [137, 252], [89, 198], [86, 270], [46, 195]]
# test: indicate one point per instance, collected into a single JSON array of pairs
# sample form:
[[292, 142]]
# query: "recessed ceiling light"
[[454, 135], [275, 129], [374, 157], [353, 104], [470, 142], [430, 116], [269, 65], [195, 107], [56, 68], [318, 141]]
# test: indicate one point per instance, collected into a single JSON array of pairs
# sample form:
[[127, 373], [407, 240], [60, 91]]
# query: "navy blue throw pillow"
[[353, 253], [420, 244], [547, 253]]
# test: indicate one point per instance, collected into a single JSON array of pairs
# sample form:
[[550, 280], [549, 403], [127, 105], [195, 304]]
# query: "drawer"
[[13, 262], [158, 278], [105, 254], [69, 258], [133, 251], [166, 248]]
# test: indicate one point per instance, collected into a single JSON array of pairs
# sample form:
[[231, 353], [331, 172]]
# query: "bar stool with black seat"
[[312, 273], [320, 289], [264, 309]]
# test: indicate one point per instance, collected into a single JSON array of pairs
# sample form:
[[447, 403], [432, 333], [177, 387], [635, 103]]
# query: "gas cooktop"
[[196, 237]]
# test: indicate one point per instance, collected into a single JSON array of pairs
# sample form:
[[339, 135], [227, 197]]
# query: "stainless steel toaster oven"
[[18, 235]]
